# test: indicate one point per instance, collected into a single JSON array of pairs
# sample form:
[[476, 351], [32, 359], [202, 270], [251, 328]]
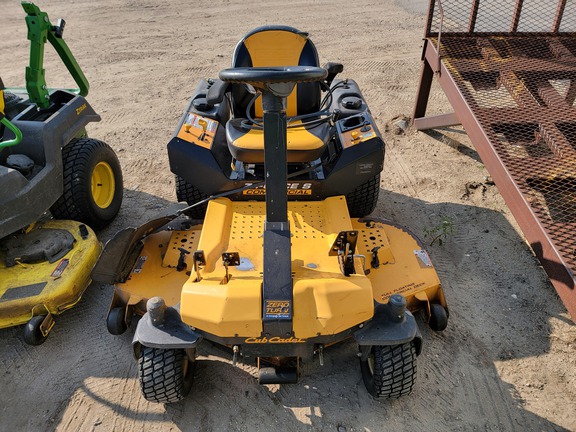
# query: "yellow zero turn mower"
[[47, 163], [282, 162]]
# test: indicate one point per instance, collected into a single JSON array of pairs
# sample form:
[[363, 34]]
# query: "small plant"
[[439, 233]]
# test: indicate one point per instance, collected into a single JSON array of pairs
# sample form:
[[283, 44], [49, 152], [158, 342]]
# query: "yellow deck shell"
[[60, 292], [325, 302]]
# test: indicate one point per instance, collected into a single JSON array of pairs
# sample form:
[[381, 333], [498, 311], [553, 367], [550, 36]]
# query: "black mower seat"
[[277, 46]]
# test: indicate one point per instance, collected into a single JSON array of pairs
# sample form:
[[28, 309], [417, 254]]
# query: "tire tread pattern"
[[161, 375], [394, 370], [76, 158]]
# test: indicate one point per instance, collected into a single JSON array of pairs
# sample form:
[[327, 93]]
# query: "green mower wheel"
[[389, 372], [191, 195], [93, 186], [32, 333], [165, 375], [362, 200]]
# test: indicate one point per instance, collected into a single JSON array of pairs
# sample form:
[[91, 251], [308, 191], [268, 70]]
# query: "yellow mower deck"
[[325, 302], [28, 290]]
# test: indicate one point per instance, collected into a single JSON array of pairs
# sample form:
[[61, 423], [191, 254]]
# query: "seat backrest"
[[278, 46]]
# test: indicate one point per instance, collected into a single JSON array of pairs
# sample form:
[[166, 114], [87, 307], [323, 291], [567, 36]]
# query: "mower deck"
[[388, 260], [28, 290]]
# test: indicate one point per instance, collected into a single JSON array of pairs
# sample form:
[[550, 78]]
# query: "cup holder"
[[353, 122]]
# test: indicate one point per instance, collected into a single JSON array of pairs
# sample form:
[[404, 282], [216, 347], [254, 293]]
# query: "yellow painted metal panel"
[[405, 266], [63, 288], [325, 301]]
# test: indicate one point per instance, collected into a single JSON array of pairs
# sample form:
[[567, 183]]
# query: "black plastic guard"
[[121, 252], [172, 333], [386, 329]]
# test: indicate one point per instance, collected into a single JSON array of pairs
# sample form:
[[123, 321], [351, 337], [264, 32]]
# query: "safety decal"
[[140, 264], [60, 268], [194, 120], [423, 258]]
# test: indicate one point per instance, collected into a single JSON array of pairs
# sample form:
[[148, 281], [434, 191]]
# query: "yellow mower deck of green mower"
[[48, 163]]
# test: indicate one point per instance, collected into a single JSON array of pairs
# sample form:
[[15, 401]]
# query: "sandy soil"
[[506, 361]]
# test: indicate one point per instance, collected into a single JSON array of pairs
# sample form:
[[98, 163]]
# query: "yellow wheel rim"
[[103, 185]]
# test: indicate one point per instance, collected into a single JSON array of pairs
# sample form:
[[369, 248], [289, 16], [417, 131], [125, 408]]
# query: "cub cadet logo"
[[275, 339], [292, 189], [80, 109]]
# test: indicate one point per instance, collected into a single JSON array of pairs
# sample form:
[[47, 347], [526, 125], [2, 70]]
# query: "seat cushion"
[[304, 143]]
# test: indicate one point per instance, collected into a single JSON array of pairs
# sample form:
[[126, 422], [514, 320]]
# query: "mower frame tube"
[[277, 277]]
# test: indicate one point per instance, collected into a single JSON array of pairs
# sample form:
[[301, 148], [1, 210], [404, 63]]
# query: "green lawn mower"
[[49, 164]]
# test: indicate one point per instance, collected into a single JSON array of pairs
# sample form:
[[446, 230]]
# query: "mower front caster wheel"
[[389, 372], [438, 320], [33, 334], [165, 375], [116, 322]]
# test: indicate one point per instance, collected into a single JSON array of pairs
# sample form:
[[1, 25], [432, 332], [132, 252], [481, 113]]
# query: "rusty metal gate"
[[508, 68]]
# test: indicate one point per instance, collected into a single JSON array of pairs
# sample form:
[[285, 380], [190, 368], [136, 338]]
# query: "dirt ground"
[[506, 361]]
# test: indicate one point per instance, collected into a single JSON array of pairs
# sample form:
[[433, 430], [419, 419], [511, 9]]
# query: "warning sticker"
[[423, 258], [194, 121], [60, 268], [140, 264]]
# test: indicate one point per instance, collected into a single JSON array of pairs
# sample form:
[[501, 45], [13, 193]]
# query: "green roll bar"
[[41, 30], [14, 129]]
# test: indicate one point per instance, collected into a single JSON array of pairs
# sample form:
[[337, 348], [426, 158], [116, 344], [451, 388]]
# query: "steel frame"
[[537, 104]]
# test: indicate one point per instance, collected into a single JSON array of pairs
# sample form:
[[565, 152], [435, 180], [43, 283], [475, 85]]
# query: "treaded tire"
[[362, 200], [165, 375], [390, 370], [191, 195], [79, 158]]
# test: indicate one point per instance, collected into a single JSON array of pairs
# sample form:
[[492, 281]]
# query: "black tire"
[[362, 200], [165, 375], [80, 159], [191, 195], [438, 317], [115, 321], [32, 333], [389, 372]]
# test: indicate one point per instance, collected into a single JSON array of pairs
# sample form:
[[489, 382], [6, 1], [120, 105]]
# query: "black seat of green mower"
[[277, 46]]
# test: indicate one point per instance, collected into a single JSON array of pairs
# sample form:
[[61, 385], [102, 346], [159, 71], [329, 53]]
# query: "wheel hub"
[[103, 185]]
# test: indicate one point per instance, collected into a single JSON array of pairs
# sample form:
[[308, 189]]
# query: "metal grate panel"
[[509, 71]]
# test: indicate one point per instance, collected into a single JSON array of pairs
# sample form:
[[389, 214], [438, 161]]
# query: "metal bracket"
[[230, 259], [199, 260], [344, 248], [182, 259]]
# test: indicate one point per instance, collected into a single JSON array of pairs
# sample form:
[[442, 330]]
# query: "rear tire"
[[362, 200], [191, 195], [389, 372], [165, 375], [93, 186]]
